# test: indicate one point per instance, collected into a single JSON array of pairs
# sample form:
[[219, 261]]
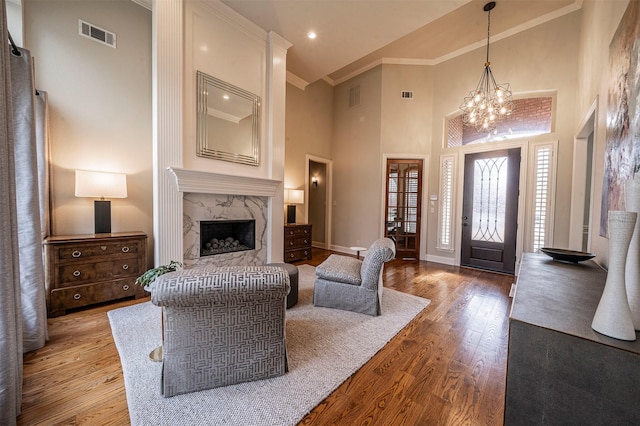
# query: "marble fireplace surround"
[[215, 196]]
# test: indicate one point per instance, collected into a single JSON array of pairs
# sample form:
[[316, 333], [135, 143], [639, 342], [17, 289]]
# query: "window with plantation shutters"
[[542, 197], [445, 217]]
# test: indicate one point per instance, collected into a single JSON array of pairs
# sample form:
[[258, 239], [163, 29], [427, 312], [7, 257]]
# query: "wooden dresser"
[[297, 242], [86, 269]]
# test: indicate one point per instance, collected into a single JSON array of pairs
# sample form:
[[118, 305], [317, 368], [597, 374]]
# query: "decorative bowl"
[[564, 255]]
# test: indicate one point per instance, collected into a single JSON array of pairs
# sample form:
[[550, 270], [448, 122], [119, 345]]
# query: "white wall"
[[99, 105], [599, 23], [209, 36], [14, 21], [236, 54], [406, 129], [309, 128], [356, 154], [543, 58]]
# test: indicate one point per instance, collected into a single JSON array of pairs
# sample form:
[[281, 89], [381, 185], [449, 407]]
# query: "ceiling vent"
[[406, 94], [95, 33], [354, 96]]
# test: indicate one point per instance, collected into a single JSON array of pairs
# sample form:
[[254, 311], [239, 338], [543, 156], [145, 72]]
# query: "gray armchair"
[[222, 326], [346, 283]]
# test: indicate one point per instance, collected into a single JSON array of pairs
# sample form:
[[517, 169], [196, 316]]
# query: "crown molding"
[[144, 3], [481, 43]]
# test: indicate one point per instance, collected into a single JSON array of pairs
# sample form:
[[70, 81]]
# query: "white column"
[[275, 116], [167, 63]]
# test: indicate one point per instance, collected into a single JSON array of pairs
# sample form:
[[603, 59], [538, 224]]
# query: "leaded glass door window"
[[490, 210]]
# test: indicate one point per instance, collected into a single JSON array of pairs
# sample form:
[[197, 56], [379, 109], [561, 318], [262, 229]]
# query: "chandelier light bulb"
[[503, 110]]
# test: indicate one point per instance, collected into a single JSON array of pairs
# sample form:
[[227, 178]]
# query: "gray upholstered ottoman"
[[292, 270]]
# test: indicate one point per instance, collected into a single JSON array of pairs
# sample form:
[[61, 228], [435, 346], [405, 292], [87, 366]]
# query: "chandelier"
[[489, 102]]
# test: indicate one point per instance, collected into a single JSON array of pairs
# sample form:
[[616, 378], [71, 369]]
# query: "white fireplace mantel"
[[195, 181]]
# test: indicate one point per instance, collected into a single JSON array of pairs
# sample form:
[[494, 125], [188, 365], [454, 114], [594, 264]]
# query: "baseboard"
[[441, 259], [341, 249]]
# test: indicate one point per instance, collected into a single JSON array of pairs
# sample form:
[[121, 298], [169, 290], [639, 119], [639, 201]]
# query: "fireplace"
[[226, 236]]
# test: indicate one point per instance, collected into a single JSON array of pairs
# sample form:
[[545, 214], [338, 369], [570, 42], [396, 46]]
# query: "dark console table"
[[559, 370]]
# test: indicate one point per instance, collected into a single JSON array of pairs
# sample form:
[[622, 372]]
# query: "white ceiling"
[[354, 35]]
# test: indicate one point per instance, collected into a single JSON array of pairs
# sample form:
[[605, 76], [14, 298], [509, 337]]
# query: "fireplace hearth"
[[226, 236]]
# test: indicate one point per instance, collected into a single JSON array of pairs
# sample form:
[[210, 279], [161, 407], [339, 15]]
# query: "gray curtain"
[[22, 295], [34, 312], [42, 140], [10, 305]]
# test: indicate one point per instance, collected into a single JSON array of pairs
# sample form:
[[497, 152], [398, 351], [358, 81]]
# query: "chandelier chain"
[[488, 33]]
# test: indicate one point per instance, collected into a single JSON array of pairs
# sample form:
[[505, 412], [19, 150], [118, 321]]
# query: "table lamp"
[[101, 185], [293, 197]]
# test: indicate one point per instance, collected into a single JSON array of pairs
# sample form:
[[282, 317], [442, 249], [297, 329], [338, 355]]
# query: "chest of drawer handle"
[[76, 253], [77, 296], [125, 249], [125, 266], [76, 273], [125, 287]]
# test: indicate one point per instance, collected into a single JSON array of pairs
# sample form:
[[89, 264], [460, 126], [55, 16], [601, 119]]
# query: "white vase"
[[613, 315], [632, 269]]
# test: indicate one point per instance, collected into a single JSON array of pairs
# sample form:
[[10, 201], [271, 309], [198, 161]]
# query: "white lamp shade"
[[100, 184], [294, 196]]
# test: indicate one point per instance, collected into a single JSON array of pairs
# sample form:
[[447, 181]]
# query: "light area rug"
[[324, 346]]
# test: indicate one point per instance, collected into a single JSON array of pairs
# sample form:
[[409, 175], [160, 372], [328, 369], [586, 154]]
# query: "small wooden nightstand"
[[297, 242], [86, 269]]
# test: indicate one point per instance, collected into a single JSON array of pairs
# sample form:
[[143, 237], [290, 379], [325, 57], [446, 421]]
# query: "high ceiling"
[[353, 35]]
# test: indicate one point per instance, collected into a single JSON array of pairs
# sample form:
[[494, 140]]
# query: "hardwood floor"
[[447, 367]]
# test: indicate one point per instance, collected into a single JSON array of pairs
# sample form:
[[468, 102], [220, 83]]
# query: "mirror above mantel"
[[228, 121]]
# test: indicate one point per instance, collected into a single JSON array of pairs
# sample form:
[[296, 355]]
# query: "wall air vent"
[[95, 33], [354, 96], [406, 94]]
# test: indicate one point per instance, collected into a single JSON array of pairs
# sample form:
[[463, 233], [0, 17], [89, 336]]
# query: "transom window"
[[530, 116]]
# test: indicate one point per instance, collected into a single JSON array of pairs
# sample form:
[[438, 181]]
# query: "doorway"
[[403, 206], [318, 193], [582, 184], [490, 210]]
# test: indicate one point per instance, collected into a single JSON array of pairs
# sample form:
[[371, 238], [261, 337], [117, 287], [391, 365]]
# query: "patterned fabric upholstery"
[[342, 269], [222, 326], [343, 282]]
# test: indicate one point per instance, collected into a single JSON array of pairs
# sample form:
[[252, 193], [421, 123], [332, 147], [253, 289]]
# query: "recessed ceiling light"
[[225, 97], [311, 35]]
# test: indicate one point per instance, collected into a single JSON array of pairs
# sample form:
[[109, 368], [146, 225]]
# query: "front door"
[[403, 206], [490, 210]]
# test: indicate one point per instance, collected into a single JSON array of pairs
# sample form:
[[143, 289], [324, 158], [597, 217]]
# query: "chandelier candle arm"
[[490, 102]]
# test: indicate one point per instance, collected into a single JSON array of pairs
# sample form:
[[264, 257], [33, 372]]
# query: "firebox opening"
[[227, 236]]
